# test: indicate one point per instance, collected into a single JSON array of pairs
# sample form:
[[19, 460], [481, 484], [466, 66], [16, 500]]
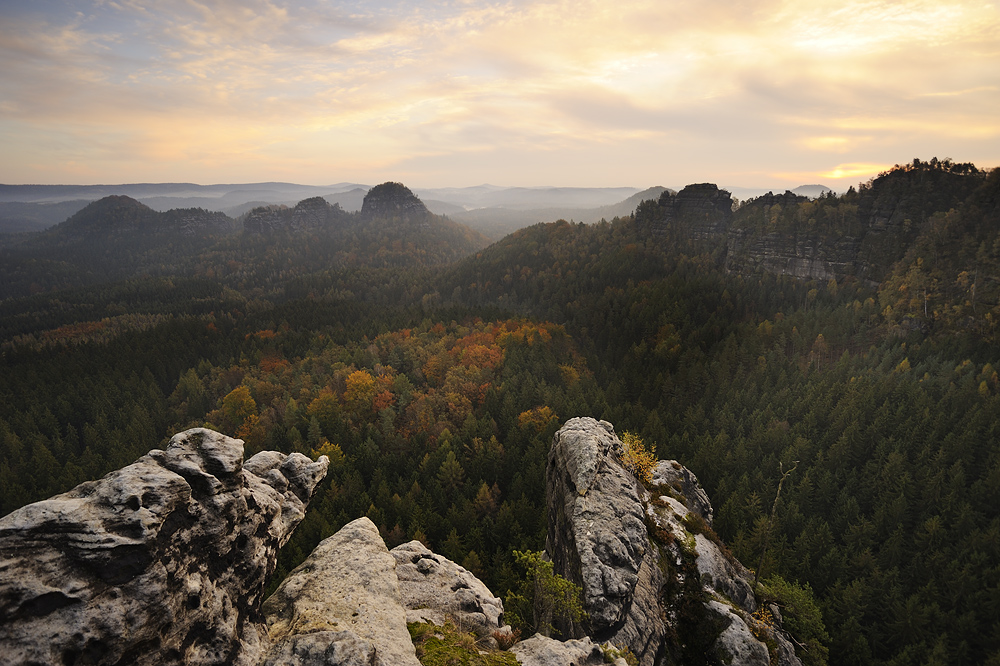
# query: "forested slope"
[[436, 390]]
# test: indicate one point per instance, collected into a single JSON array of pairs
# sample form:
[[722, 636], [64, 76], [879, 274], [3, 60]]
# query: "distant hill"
[[118, 236], [811, 191], [18, 216], [497, 222], [108, 239], [119, 215]]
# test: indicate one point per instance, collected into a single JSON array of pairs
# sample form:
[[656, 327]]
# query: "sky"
[[752, 93]]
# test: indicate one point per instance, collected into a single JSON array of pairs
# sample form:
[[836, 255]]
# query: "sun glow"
[[718, 89]]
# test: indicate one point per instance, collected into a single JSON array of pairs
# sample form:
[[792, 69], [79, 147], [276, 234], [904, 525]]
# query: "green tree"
[[543, 598]]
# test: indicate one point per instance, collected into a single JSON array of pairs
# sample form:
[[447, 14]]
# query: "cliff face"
[[860, 235], [654, 577], [700, 212], [808, 256], [162, 562]]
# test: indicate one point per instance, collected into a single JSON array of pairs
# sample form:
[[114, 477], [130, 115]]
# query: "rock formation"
[[543, 651], [308, 214], [434, 589], [165, 561], [767, 236], [343, 600], [700, 212], [162, 562], [393, 200], [654, 578]]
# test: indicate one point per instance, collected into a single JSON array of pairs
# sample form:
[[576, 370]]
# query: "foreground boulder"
[[162, 562], [341, 606], [436, 590], [655, 579], [544, 651]]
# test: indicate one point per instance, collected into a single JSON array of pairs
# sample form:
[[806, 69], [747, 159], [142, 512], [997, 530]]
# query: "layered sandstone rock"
[[434, 589], [654, 577], [344, 598], [164, 561]]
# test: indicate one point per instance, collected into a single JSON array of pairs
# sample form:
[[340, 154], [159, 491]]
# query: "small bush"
[[506, 640], [636, 458], [611, 653], [801, 617]]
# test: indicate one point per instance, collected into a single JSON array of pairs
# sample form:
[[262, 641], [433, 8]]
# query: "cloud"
[[237, 86]]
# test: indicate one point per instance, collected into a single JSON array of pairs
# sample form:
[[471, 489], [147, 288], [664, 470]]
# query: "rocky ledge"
[[165, 562], [162, 562]]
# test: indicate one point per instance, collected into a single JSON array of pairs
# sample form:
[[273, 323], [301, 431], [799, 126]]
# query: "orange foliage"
[[271, 363], [384, 399], [482, 356]]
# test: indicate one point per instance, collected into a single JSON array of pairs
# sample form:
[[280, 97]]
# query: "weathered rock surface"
[[343, 598], [543, 651], [434, 589], [161, 562], [597, 537], [322, 648], [808, 256], [681, 480], [737, 644], [641, 558], [724, 574]]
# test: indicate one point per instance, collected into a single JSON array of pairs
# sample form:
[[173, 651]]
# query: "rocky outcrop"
[[343, 599], [670, 477], [768, 235], [436, 590], [543, 651], [700, 212], [308, 214], [597, 537], [393, 200], [655, 578], [162, 562], [860, 236]]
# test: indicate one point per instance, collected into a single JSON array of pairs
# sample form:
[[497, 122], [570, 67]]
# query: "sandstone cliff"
[[162, 562], [655, 578], [165, 561], [393, 200], [700, 212]]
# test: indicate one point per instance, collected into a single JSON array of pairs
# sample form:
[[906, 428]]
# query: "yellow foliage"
[[636, 458], [246, 429], [332, 451], [360, 391], [237, 406], [537, 418]]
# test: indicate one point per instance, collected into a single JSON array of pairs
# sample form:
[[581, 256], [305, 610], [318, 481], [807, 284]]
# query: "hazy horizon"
[[769, 94]]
